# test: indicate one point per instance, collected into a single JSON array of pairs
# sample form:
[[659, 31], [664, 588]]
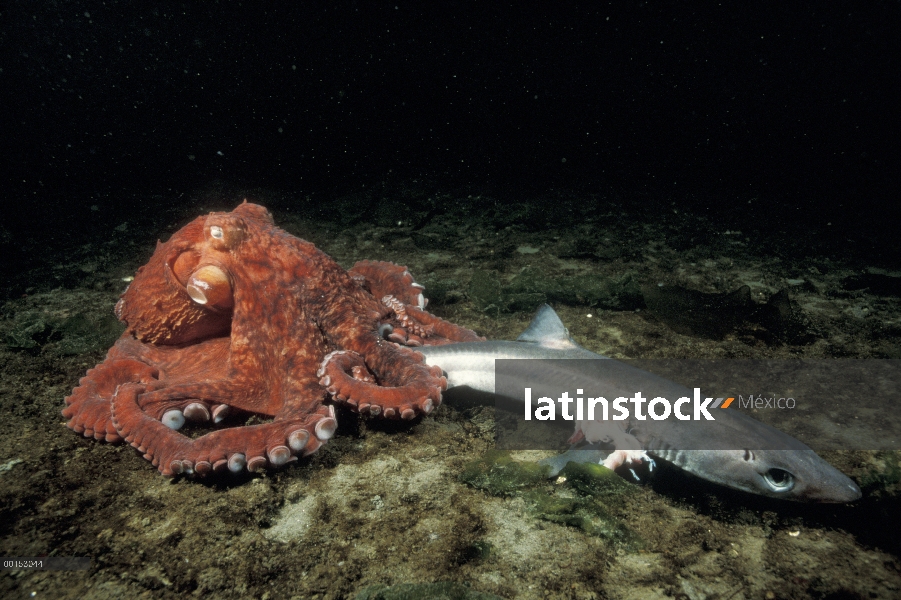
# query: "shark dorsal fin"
[[546, 329]]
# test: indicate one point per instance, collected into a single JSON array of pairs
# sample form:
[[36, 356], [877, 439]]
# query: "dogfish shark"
[[794, 472]]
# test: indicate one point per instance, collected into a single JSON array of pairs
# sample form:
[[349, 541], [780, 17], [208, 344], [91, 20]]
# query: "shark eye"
[[779, 480]]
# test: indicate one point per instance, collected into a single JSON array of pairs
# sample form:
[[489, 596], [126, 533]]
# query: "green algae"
[[500, 475], [593, 479], [586, 513], [577, 501], [580, 502]]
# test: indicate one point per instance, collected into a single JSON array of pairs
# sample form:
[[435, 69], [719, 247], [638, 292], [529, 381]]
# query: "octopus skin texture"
[[232, 316]]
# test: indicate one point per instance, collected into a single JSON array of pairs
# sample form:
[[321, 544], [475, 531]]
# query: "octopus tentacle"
[[395, 286], [426, 328], [88, 407], [420, 392], [157, 400], [253, 446], [386, 278]]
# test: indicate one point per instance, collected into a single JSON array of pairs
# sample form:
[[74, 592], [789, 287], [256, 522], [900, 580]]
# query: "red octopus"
[[234, 314]]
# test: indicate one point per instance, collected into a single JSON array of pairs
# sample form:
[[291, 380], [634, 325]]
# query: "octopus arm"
[[345, 375], [382, 278], [88, 407], [254, 446]]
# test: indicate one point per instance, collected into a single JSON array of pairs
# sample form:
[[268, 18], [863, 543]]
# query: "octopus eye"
[[216, 232]]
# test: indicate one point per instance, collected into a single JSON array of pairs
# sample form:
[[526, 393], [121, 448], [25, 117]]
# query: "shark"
[[793, 472]]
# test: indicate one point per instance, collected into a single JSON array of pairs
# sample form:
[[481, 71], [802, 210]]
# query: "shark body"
[[794, 472]]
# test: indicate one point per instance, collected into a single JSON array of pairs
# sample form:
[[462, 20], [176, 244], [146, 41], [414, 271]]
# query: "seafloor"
[[386, 508]]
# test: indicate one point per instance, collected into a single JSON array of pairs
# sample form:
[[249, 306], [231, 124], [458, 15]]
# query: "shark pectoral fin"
[[630, 457], [618, 458]]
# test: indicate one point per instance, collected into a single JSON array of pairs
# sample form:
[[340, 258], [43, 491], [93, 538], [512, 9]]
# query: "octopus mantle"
[[234, 316]]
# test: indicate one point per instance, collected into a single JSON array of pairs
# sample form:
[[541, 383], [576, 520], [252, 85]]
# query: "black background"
[[791, 105]]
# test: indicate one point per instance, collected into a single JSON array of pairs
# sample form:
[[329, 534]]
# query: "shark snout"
[[838, 489]]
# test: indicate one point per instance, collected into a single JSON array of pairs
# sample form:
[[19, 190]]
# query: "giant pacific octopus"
[[233, 316]]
